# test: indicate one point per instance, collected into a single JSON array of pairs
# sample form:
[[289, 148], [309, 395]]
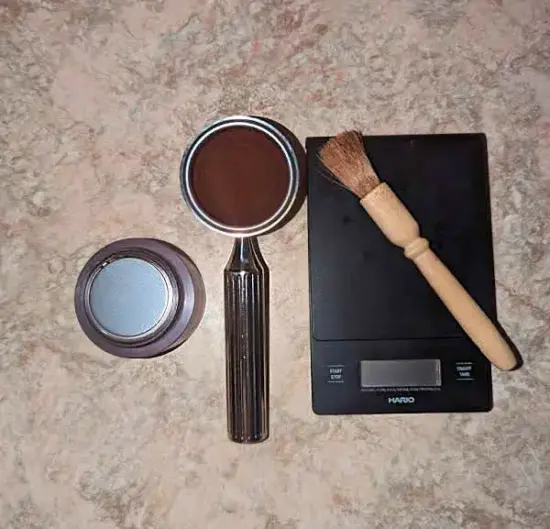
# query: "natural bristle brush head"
[[344, 156]]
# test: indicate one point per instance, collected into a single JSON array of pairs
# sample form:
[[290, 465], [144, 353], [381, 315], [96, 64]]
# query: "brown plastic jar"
[[139, 298]]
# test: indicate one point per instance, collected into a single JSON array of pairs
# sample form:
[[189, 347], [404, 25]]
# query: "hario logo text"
[[401, 400]]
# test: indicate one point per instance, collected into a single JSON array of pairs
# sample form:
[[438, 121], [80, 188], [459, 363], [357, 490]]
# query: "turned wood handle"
[[399, 226]]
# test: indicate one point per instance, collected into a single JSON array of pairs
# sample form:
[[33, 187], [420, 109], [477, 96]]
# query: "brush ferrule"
[[391, 215]]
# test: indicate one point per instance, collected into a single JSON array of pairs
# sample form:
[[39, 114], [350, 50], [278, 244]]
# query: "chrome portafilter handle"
[[246, 291]]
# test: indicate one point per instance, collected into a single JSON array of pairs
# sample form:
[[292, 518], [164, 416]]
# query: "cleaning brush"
[[345, 157]]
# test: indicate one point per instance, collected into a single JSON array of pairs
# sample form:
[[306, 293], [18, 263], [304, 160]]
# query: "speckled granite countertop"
[[98, 100]]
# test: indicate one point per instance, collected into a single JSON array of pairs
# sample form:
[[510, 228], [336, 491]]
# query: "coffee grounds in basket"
[[240, 176]]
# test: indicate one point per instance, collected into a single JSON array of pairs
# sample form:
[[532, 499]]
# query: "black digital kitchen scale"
[[381, 340]]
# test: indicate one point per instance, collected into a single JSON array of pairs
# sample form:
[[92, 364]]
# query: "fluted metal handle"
[[246, 292]]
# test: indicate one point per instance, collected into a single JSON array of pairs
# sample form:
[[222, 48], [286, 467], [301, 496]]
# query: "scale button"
[[464, 371], [335, 373]]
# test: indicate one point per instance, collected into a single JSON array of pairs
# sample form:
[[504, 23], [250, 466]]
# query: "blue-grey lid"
[[130, 298]]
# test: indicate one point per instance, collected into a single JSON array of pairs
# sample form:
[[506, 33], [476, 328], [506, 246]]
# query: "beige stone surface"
[[98, 100]]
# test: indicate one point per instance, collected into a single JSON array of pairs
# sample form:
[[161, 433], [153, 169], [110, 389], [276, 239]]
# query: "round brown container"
[[139, 298]]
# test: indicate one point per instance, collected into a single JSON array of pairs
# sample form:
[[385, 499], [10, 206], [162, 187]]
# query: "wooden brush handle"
[[400, 227]]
